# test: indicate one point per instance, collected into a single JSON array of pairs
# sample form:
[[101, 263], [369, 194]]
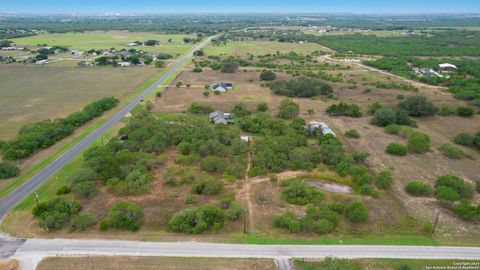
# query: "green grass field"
[[51, 92], [261, 47], [107, 40]]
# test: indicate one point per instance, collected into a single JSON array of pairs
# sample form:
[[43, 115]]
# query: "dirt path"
[[250, 224], [362, 67]]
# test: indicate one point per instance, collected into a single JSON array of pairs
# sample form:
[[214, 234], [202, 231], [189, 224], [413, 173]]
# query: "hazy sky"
[[176, 6]]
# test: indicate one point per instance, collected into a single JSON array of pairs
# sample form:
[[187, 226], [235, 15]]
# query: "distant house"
[[8, 48], [314, 128], [220, 117], [76, 52], [42, 62], [124, 64], [222, 87], [136, 43], [446, 67]]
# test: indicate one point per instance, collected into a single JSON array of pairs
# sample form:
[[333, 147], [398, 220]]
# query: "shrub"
[[287, 221], [267, 75], [83, 221], [53, 214], [418, 142], [230, 67], [466, 210], [418, 189], [235, 211], [196, 220], [240, 110], [125, 215], [63, 190], [85, 189], [342, 108], [197, 70], [103, 225], [196, 108], [208, 186], [352, 133], [464, 139], [445, 111], [368, 190], [384, 179], [418, 106], [465, 111], [462, 188], [288, 109], [360, 156], [8, 170], [356, 211], [189, 199], [451, 151], [444, 193], [386, 116], [396, 149], [392, 129], [298, 192], [262, 107], [213, 164]]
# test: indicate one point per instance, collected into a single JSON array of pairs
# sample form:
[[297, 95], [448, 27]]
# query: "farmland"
[[261, 47]]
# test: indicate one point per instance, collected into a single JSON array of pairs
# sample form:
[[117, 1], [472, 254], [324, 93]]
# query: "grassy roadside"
[[66, 146]]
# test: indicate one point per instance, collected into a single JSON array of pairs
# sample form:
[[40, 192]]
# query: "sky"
[[242, 6]]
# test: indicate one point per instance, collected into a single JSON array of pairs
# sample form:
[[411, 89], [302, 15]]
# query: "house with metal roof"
[[220, 117]]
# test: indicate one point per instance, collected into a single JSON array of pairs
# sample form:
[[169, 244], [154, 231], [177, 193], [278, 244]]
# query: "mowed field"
[[151, 263], [33, 93], [262, 47], [107, 40]]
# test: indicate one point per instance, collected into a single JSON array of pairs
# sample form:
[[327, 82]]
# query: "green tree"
[[125, 215], [262, 107], [267, 75], [8, 170], [196, 220], [418, 106], [384, 179], [356, 211], [418, 142], [288, 109]]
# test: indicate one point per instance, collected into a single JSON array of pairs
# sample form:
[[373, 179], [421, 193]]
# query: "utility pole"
[[435, 224]]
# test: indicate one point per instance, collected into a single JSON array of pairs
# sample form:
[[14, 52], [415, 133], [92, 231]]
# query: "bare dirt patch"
[[331, 187]]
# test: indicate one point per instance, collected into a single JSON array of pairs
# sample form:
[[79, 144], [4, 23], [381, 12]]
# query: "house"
[[427, 72], [136, 43], [222, 87], [314, 128], [124, 64], [446, 67], [8, 48], [76, 52], [42, 62], [220, 117]]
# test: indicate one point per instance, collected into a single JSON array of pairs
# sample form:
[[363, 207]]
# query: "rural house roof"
[[220, 117]]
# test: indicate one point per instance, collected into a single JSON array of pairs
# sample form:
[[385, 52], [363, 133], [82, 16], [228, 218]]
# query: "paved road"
[[33, 183], [33, 250]]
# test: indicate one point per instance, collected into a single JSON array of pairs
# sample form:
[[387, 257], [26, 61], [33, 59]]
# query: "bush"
[[466, 210], [197, 219], [288, 109], [356, 211], [53, 214], [8, 170], [396, 149], [63, 190], [418, 106], [196, 108], [298, 192], [267, 75], [447, 194], [208, 186], [451, 151], [197, 70], [386, 116], [213, 164], [462, 188], [230, 67], [384, 179], [85, 189], [103, 225], [235, 211], [368, 190], [418, 142], [240, 110], [83, 221], [352, 133], [342, 108], [125, 215], [262, 107], [392, 129], [445, 111], [287, 221], [159, 64], [418, 189], [465, 111], [464, 139]]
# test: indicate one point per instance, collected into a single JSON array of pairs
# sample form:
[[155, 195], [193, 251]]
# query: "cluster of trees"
[[195, 220], [288, 109], [267, 75], [302, 87], [197, 108], [8, 170], [297, 191], [53, 214], [345, 109], [124, 215], [44, 134], [450, 189], [322, 218]]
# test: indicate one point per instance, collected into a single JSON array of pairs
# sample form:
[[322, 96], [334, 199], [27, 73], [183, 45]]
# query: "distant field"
[[107, 40], [262, 47], [33, 93], [150, 263]]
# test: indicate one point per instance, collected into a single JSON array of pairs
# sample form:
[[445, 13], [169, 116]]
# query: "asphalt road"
[[33, 183], [33, 250]]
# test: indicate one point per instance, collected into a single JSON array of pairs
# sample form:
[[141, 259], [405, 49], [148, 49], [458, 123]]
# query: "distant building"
[[76, 52], [314, 128], [427, 72], [220, 117], [222, 87], [245, 138], [124, 64], [42, 62], [446, 67]]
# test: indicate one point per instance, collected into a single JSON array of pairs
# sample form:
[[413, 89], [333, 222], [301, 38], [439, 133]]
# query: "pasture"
[[35, 93], [106, 40], [262, 47]]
